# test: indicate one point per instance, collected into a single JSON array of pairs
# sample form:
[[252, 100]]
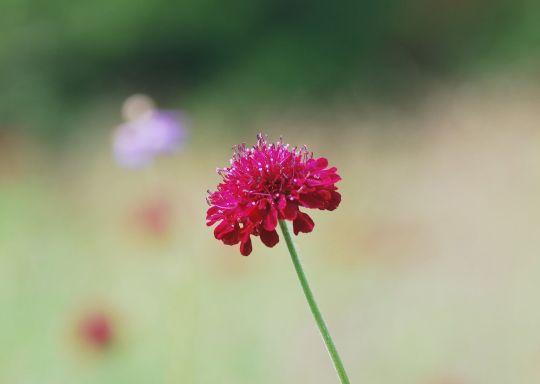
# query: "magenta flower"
[[267, 183], [139, 141]]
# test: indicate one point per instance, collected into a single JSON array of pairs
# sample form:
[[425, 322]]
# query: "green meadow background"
[[428, 272]]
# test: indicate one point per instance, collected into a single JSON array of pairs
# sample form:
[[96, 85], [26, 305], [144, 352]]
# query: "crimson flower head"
[[267, 183]]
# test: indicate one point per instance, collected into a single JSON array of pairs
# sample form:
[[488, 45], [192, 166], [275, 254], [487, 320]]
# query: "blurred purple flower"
[[155, 132]]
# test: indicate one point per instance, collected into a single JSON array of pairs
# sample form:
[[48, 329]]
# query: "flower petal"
[[269, 238], [222, 229], [311, 200], [334, 201], [271, 219], [303, 223], [290, 211], [317, 164], [245, 247], [232, 237]]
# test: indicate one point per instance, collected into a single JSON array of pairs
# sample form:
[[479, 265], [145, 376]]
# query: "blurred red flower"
[[96, 330], [154, 217]]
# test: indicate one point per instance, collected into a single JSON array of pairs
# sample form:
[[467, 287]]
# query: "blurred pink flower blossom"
[[154, 217], [96, 330]]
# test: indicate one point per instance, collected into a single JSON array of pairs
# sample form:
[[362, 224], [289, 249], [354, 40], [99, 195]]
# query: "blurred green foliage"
[[58, 56]]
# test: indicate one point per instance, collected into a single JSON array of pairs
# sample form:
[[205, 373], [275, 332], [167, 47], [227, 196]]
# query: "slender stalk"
[[330, 346]]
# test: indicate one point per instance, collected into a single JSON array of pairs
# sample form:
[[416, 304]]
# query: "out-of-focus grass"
[[427, 272]]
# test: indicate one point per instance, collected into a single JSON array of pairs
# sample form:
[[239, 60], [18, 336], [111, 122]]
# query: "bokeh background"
[[428, 272]]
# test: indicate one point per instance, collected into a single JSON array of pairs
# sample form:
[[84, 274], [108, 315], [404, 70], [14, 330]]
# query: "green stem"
[[330, 346]]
